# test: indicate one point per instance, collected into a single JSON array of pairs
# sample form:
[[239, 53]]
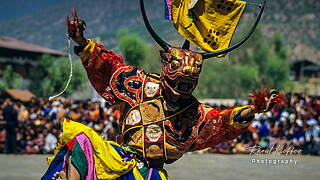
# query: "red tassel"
[[260, 99], [280, 100]]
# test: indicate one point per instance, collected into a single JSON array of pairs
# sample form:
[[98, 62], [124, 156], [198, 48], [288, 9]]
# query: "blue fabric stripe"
[[155, 175], [166, 13], [121, 152], [56, 165], [128, 176]]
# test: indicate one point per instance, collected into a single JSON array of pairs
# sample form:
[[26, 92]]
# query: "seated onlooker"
[[50, 143]]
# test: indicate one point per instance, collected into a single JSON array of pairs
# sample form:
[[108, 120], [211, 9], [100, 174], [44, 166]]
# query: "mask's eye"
[[174, 64]]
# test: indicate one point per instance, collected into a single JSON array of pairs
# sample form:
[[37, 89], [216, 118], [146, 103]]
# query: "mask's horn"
[[217, 53], [165, 46], [186, 45]]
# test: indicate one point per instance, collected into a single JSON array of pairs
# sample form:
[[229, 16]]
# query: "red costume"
[[160, 118], [188, 126]]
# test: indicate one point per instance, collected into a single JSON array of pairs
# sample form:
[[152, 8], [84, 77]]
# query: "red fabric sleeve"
[[100, 66], [215, 127]]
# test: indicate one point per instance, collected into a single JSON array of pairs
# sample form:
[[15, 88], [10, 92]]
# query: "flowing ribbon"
[[70, 74]]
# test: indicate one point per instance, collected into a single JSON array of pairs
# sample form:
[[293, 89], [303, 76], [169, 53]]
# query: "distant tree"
[[277, 73], [218, 80], [51, 76], [11, 80], [248, 79], [270, 57], [280, 47], [132, 48], [258, 62], [152, 62]]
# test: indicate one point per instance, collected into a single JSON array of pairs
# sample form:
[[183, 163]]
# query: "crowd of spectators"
[[295, 125], [38, 125]]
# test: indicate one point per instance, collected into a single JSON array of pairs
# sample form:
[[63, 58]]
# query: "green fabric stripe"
[[79, 160], [144, 172]]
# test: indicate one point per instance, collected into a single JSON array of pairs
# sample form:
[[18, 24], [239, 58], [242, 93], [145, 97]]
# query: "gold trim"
[[232, 115], [85, 54], [134, 127], [164, 142], [143, 148], [142, 91]]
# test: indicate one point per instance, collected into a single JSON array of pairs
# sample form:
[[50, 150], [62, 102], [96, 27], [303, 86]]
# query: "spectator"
[[312, 137], [50, 142], [10, 117]]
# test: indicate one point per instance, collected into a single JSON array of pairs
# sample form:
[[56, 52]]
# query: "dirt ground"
[[192, 166]]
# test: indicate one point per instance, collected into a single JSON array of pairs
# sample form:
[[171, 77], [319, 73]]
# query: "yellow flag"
[[208, 24]]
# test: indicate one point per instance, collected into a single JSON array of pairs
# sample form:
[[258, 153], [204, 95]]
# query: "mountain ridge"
[[297, 21]]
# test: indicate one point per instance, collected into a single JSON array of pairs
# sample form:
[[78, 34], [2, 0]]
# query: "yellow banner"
[[208, 24]]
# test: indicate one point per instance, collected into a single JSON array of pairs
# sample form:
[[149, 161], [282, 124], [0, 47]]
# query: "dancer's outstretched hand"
[[273, 98], [265, 100], [76, 28]]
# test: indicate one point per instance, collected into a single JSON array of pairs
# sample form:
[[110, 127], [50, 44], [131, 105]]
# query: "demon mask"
[[180, 71]]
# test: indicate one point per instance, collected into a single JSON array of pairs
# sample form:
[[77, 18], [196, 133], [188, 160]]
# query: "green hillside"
[[296, 20]]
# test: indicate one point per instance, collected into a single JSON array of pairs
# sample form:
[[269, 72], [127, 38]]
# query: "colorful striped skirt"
[[95, 158]]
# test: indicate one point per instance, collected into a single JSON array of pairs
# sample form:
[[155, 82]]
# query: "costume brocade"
[[154, 128]]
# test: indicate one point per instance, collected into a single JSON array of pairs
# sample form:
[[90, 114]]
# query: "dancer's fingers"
[[63, 175], [55, 176]]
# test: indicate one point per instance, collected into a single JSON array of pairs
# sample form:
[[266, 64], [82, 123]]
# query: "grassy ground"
[[195, 167]]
